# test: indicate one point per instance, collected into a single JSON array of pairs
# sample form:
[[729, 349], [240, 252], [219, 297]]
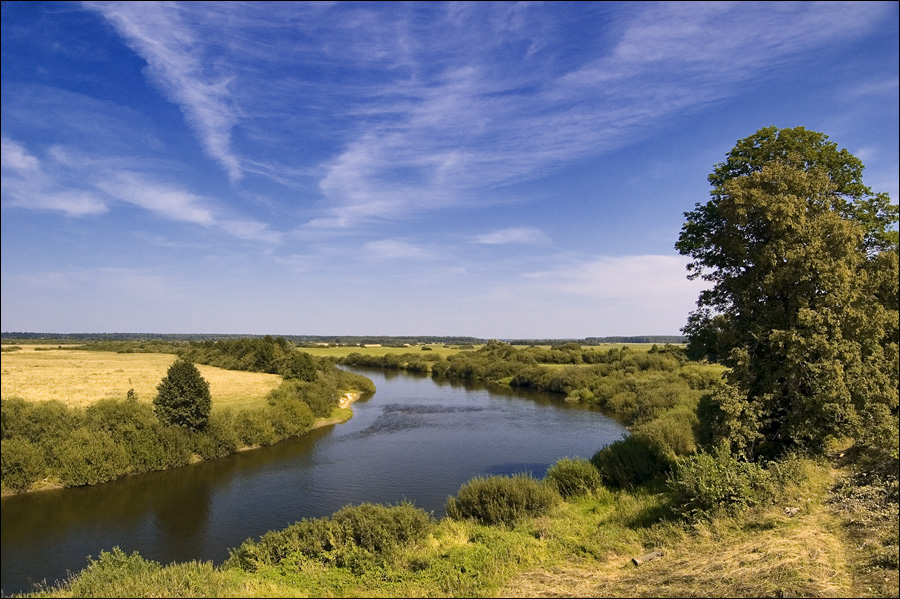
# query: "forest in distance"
[[763, 450]]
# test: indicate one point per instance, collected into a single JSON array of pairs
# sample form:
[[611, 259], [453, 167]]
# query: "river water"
[[415, 439]]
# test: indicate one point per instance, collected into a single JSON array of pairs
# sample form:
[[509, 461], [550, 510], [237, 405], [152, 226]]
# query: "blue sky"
[[507, 170]]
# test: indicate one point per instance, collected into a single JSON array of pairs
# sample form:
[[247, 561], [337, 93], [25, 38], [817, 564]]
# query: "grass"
[[79, 378], [582, 547]]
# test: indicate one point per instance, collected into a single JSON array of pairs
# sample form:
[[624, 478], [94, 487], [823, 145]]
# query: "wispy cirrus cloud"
[[82, 185], [159, 33], [417, 106]]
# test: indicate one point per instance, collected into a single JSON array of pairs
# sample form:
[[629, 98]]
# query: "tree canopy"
[[184, 399], [802, 261]]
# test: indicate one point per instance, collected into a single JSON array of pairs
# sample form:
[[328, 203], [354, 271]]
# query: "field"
[[79, 378]]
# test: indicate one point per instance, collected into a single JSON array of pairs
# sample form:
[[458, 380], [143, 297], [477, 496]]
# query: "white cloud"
[[15, 156], [392, 249], [631, 278], [522, 235]]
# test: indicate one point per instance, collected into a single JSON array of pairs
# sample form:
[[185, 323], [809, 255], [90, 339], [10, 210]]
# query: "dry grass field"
[[79, 378]]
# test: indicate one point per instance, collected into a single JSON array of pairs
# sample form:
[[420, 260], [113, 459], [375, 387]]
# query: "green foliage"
[[184, 399], [803, 305], [574, 477], [630, 461], [501, 500], [298, 365], [22, 463], [112, 569], [89, 457], [370, 528], [708, 484]]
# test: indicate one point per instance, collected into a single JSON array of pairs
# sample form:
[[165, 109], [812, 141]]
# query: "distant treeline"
[[301, 340]]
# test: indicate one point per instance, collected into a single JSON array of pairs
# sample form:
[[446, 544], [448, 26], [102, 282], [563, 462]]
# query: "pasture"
[[79, 378]]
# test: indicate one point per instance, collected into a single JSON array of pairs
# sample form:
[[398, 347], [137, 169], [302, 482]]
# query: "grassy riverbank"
[[583, 546]]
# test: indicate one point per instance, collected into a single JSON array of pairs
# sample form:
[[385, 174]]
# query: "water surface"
[[415, 439]]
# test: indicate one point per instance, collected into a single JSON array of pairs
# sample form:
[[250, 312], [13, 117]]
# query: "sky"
[[497, 170]]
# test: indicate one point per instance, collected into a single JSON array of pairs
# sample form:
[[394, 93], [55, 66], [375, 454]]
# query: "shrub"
[[22, 464], [501, 499], [710, 483], [572, 478], [629, 462], [90, 457], [380, 528], [369, 528], [671, 432], [220, 437], [254, 428], [290, 417]]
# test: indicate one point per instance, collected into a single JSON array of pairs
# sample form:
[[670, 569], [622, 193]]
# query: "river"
[[415, 439]]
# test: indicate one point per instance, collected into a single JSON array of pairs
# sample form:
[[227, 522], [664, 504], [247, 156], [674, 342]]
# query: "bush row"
[[112, 438]]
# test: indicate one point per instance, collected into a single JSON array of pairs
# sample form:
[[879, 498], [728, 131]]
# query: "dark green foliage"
[[184, 399], [573, 478], [298, 365], [630, 461], [501, 500], [220, 438], [320, 398], [803, 307], [89, 457], [22, 463], [374, 529]]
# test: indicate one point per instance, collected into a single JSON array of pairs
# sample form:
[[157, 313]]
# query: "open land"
[[79, 378]]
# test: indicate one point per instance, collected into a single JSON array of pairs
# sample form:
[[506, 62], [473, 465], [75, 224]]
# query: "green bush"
[[501, 499], [707, 484], [368, 528], [573, 478], [22, 464], [630, 461], [220, 438], [671, 432], [253, 427], [380, 528], [41, 422], [90, 457]]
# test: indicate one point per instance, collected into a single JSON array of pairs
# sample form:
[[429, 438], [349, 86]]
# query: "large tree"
[[802, 258], [183, 397]]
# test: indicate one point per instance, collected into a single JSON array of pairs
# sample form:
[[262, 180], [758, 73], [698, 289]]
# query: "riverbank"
[[341, 414], [607, 543]]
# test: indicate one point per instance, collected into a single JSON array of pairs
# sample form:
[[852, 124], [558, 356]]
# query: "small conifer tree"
[[184, 399]]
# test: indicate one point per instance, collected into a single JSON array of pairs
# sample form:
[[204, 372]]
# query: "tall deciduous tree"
[[802, 258], [184, 399]]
